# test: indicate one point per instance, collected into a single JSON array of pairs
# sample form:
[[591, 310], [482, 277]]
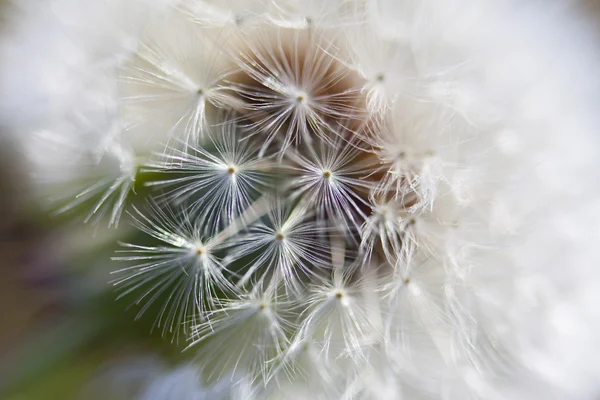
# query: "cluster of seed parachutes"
[[282, 209]]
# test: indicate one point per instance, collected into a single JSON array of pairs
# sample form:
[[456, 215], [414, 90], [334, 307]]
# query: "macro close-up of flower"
[[300, 199]]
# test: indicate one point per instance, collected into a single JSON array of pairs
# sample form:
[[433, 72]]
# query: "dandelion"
[[351, 199]]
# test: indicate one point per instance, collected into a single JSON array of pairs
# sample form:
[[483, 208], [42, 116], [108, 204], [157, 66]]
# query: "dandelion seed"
[[285, 247], [378, 61], [417, 315], [84, 173], [293, 88], [379, 378], [338, 320], [331, 179], [110, 193], [243, 334], [412, 169], [314, 13], [384, 229], [303, 371], [217, 180], [227, 13], [338, 316], [170, 85], [182, 270]]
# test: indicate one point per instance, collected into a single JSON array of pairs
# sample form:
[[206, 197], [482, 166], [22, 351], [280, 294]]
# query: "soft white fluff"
[[453, 201]]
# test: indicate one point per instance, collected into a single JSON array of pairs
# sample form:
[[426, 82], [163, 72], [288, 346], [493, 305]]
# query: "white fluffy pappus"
[[297, 89], [184, 264], [82, 168], [175, 76], [217, 178], [366, 199], [286, 243], [261, 316]]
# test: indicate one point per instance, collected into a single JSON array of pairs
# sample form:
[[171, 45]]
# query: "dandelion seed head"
[[331, 205]]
